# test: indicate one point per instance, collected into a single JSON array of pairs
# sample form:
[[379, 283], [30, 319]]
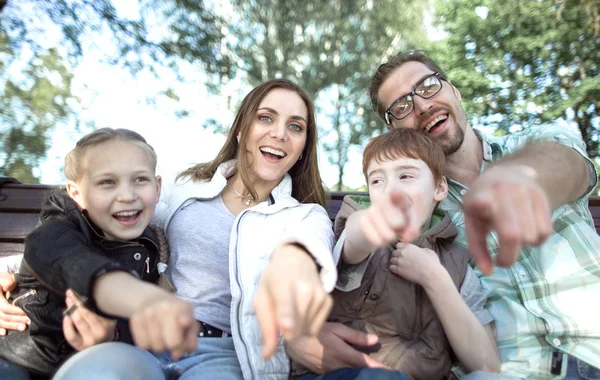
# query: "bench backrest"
[[20, 205]]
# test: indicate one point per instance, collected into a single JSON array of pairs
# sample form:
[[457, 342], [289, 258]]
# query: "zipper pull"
[[147, 264], [24, 295]]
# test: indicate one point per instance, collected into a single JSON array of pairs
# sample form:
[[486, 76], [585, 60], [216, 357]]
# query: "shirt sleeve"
[[350, 276], [568, 137], [475, 297]]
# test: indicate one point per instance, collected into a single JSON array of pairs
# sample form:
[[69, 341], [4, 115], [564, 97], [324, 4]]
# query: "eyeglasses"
[[404, 105]]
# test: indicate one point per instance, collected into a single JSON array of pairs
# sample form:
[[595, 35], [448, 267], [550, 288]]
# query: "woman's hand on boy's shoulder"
[[333, 348], [11, 317], [413, 263]]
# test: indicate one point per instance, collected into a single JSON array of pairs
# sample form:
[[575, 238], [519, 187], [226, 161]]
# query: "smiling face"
[[118, 188], [441, 116], [411, 176], [277, 135]]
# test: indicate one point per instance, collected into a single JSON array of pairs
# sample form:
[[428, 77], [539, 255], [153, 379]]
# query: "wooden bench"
[[20, 205]]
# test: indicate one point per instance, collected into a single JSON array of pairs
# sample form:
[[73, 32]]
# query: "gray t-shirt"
[[198, 238]]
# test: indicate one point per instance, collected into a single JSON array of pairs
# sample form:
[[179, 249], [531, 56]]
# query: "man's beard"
[[455, 141]]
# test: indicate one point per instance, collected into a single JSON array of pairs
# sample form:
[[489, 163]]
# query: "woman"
[[247, 232]]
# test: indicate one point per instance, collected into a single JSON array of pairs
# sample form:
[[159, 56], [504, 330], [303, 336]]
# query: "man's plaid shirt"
[[544, 305]]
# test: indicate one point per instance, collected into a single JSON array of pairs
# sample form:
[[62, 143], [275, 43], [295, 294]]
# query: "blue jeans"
[[214, 358], [577, 369], [357, 374], [10, 371]]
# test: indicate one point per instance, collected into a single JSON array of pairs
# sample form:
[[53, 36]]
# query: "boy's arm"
[[356, 246], [473, 343]]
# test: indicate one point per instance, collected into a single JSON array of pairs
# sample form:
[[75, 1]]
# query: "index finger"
[[477, 210], [265, 314]]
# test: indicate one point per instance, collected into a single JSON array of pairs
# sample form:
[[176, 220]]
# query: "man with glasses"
[[519, 201]]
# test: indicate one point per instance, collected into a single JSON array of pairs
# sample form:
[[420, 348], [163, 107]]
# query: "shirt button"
[[522, 274], [374, 296], [556, 341], [463, 192], [137, 255]]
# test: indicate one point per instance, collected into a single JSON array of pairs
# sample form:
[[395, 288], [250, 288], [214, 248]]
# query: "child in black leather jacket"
[[94, 239]]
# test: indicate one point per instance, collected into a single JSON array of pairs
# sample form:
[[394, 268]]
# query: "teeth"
[[126, 213], [434, 121], [273, 151]]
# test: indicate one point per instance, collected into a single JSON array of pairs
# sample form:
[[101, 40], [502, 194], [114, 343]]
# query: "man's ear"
[[75, 193], [456, 92], [158, 187], [441, 190]]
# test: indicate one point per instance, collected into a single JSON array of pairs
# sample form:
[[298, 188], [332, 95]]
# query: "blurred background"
[[176, 70]]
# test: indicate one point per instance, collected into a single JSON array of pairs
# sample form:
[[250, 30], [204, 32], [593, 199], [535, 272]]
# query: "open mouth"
[[434, 125], [272, 154], [127, 217]]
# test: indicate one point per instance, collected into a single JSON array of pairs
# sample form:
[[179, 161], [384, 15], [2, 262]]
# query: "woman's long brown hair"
[[307, 186]]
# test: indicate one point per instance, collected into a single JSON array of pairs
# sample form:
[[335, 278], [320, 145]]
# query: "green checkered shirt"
[[544, 305]]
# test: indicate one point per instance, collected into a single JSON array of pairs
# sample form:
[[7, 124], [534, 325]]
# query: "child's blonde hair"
[[74, 158]]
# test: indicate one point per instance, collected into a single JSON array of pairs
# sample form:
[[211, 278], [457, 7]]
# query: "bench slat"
[[16, 226]]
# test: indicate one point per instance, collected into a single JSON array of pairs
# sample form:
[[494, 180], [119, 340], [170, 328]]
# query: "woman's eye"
[[296, 127], [265, 119], [375, 181], [106, 182], [142, 179], [406, 176]]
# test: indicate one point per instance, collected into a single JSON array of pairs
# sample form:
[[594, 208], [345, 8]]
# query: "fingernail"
[[28, 322], [21, 327], [2, 332]]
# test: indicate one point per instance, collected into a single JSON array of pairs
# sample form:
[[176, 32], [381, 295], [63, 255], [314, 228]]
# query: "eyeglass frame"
[[411, 94]]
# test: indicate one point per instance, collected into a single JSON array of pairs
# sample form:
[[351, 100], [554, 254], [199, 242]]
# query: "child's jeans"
[[10, 371], [214, 358], [357, 374]]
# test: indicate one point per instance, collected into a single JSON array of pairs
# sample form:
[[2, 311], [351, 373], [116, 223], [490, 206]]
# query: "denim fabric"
[[577, 369], [357, 374], [481, 375], [214, 358], [10, 371]]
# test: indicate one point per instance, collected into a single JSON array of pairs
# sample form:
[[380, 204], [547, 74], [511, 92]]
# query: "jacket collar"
[[219, 180]]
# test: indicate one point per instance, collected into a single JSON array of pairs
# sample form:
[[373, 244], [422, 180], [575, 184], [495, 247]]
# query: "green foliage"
[[30, 109], [192, 33], [523, 63], [330, 46]]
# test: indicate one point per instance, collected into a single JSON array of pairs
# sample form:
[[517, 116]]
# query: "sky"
[[111, 97]]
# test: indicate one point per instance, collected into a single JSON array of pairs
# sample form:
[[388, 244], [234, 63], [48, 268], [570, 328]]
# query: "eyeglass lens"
[[426, 89]]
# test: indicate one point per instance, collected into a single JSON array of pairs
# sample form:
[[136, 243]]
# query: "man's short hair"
[[402, 142], [393, 62]]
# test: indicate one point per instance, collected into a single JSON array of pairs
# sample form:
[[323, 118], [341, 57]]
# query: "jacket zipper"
[[39, 278], [23, 296], [148, 264]]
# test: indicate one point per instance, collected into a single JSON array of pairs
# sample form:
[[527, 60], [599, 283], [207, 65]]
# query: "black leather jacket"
[[66, 251]]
